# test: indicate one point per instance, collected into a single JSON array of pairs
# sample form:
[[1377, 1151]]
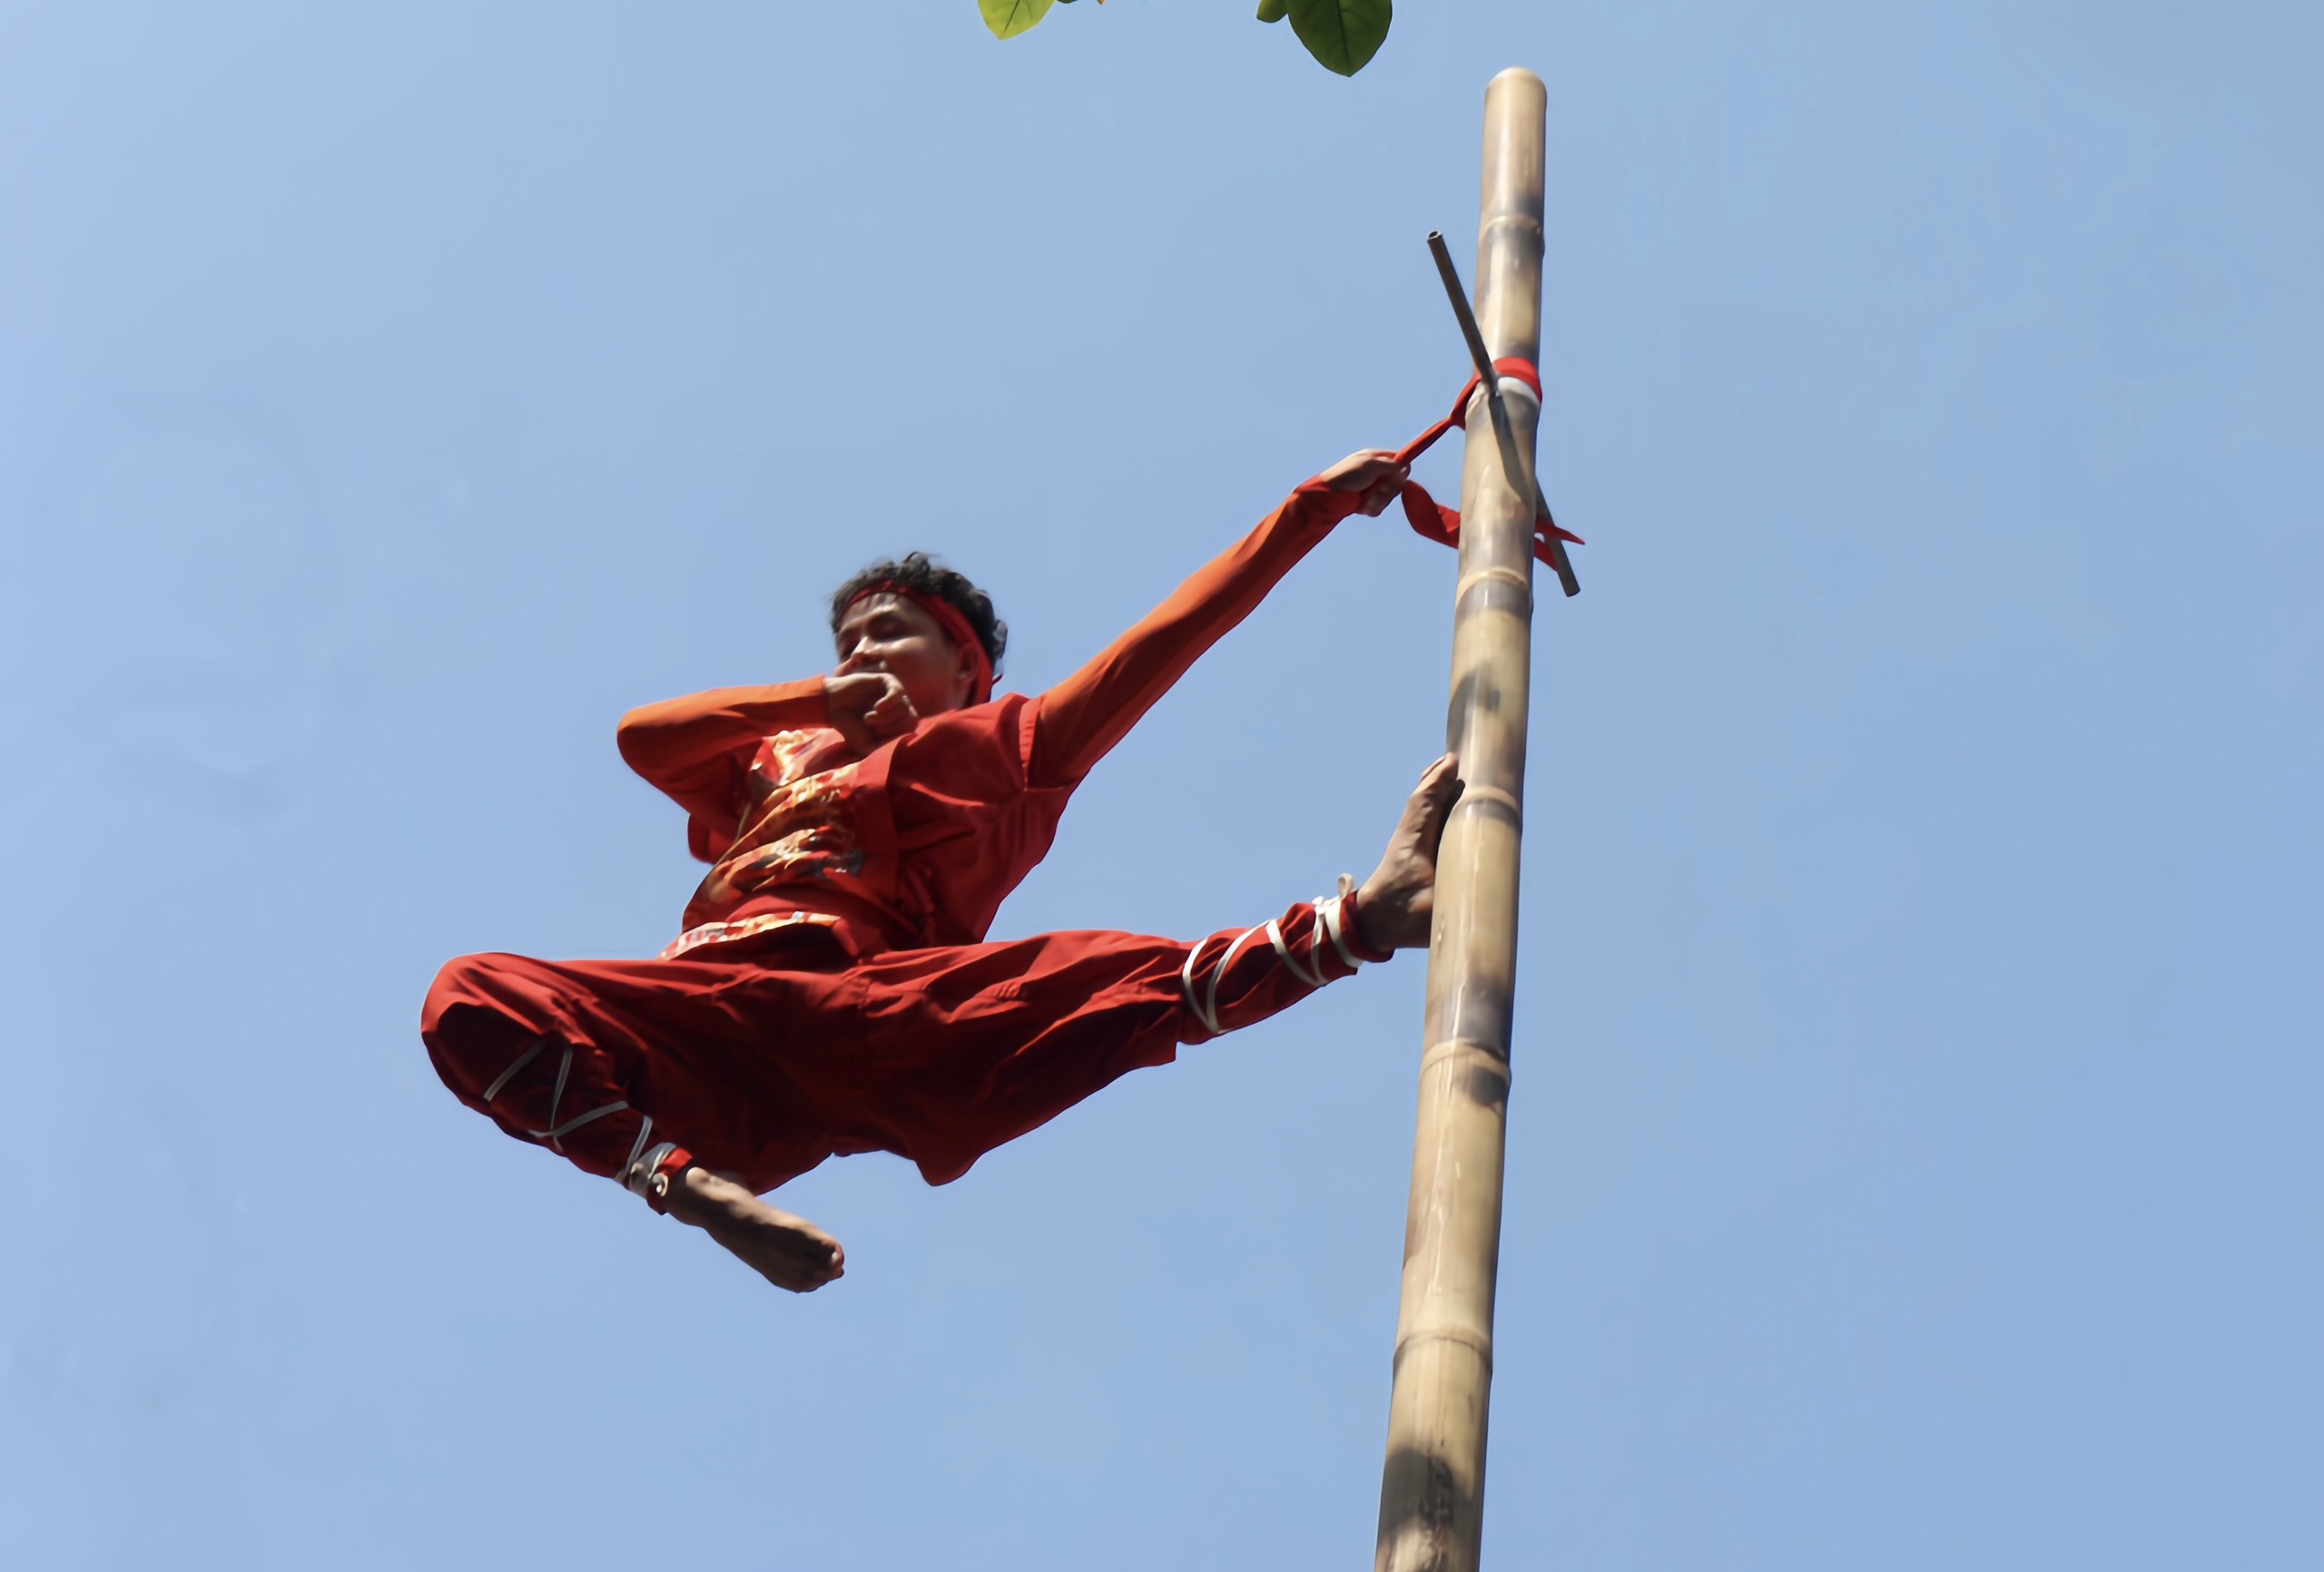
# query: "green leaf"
[[1343, 34], [1272, 10], [1007, 18]]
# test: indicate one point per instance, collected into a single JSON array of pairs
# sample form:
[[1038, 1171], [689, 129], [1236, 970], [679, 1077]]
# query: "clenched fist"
[[868, 708], [1375, 473]]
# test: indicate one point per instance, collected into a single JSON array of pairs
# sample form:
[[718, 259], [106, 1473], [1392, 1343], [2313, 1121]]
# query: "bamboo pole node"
[[1491, 796], [1454, 1049], [1520, 582], [1476, 1342]]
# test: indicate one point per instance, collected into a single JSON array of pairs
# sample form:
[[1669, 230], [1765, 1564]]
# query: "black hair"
[[920, 575]]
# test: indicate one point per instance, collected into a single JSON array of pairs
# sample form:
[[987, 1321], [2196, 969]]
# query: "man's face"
[[887, 633]]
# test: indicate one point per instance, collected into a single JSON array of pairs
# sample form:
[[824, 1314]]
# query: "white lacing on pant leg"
[[644, 1129], [1327, 914], [556, 1137], [639, 1171], [1202, 998], [1205, 1008], [564, 1068], [1194, 1001], [1313, 976], [509, 1075], [1219, 977], [555, 1132]]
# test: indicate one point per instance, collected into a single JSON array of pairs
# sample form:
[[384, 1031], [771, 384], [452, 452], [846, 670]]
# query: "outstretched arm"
[[1082, 719]]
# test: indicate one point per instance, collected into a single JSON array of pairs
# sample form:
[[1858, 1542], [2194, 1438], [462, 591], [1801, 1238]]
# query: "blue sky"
[[1913, 1148]]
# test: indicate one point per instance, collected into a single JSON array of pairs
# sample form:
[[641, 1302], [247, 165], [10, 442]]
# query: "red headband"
[[955, 626]]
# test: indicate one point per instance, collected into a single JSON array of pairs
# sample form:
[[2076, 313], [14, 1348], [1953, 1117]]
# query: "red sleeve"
[[1082, 719], [696, 748]]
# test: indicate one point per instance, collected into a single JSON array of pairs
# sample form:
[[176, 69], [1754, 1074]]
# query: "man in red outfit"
[[832, 991]]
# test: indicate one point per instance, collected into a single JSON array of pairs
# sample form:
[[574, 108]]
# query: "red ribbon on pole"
[[1430, 520]]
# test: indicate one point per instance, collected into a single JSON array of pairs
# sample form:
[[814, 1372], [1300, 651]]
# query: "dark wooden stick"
[[1489, 379]]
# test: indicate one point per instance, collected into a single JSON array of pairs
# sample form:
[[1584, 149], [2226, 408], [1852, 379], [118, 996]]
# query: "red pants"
[[763, 1056]]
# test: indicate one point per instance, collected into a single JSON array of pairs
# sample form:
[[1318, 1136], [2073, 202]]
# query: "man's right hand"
[[1374, 472], [868, 708]]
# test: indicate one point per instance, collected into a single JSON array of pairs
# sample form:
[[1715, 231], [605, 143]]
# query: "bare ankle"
[[690, 1194], [1386, 923]]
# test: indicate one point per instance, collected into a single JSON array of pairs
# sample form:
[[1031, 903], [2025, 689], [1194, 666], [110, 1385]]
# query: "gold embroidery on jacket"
[[795, 824]]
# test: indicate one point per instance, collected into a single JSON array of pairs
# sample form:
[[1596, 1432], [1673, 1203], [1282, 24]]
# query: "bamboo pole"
[[1432, 1490]]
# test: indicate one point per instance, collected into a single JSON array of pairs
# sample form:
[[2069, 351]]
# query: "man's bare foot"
[[788, 1251], [1393, 907]]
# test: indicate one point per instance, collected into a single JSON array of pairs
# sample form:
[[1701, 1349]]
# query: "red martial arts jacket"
[[919, 842]]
